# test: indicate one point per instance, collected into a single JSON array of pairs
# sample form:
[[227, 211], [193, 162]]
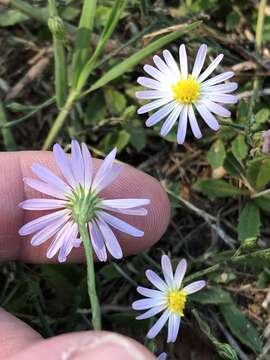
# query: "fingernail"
[[113, 347]]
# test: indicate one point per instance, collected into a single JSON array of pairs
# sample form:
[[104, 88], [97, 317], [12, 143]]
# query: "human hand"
[[17, 340]]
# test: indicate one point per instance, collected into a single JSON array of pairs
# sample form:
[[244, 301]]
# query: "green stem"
[[233, 125], [95, 306], [60, 120], [9, 140]]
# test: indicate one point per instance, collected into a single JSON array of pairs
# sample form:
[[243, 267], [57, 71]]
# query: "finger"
[[15, 335], [86, 345], [130, 184]]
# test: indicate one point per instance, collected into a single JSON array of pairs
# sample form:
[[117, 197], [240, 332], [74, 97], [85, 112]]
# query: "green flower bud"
[[249, 244], [57, 27]]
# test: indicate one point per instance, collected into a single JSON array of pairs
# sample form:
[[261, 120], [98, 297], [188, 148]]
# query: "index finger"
[[131, 183]]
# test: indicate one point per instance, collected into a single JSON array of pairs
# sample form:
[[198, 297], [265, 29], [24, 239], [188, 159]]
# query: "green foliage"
[[241, 327], [11, 17], [249, 222], [213, 296], [216, 154], [218, 188], [239, 148]]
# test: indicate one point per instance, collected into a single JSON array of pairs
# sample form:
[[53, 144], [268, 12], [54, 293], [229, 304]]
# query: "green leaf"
[[83, 37], [117, 139], [218, 188], [135, 59], [116, 101], [249, 222], [216, 154], [262, 116], [212, 296], [96, 109], [239, 147], [9, 141], [258, 172], [112, 22], [11, 17], [263, 202], [241, 327], [232, 165]]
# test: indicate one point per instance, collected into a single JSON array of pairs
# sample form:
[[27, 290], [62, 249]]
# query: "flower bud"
[[226, 352], [57, 27]]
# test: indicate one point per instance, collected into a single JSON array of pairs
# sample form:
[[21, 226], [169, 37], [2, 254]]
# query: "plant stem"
[[9, 141], [59, 121], [95, 306], [231, 124]]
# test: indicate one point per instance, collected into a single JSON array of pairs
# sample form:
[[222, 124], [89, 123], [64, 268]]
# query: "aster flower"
[[78, 197], [178, 92], [169, 297], [162, 356]]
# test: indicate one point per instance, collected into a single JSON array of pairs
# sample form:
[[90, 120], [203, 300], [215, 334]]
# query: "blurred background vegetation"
[[217, 186]]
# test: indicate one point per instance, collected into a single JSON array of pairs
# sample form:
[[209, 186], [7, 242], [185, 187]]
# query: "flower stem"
[[60, 120], [231, 124], [95, 306]]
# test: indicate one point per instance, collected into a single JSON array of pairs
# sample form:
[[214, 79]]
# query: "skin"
[[17, 340]]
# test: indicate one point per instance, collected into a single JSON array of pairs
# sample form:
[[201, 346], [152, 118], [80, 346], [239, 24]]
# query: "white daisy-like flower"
[[79, 193], [178, 92], [169, 297]]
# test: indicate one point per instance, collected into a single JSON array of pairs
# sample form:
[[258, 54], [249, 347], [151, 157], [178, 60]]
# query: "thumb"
[[86, 345]]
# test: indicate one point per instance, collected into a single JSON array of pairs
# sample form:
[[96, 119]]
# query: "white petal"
[[183, 61], [173, 327], [150, 292], [88, 166], [199, 61], [152, 312], [64, 164], [163, 67], [194, 287], [217, 109], [109, 177], [194, 123], [150, 83], [182, 126], [44, 188], [42, 204], [210, 120], [67, 246], [221, 88], [152, 94], [161, 113], [156, 328], [77, 163], [148, 303], [110, 239], [217, 79], [58, 241], [167, 270], [125, 203], [120, 224], [180, 273], [210, 68], [223, 98], [172, 64], [156, 280], [46, 233], [136, 212], [170, 121], [155, 73], [97, 241], [154, 105]]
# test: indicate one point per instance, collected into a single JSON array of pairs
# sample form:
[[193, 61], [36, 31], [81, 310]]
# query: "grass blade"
[[60, 67], [135, 59], [10, 144], [112, 22], [83, 38]]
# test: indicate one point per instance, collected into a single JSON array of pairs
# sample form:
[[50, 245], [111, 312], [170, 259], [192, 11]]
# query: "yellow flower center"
[[186, 91], [176, 301]]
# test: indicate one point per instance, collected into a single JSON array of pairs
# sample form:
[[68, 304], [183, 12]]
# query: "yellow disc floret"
[[186, 91], [176, 301]]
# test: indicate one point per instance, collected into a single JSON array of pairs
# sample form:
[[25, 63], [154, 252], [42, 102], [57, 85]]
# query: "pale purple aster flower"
[[177, 92], [266, 142], [162, 356], [169, 298], [79, 193]]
